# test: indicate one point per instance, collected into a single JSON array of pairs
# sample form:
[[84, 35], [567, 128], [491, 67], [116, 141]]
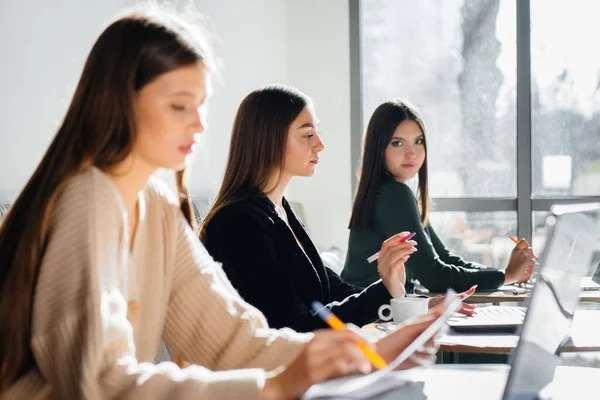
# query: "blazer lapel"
[[309, 248], [303, 261]]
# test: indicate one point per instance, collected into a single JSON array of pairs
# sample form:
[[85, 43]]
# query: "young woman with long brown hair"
[[100, 262], [395, 150]]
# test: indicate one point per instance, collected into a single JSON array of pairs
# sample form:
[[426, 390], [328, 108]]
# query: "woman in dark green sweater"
[[395, 150]]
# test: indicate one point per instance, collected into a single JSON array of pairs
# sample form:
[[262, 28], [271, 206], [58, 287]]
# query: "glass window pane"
[[456, 61], [477, 236], [565, 89]]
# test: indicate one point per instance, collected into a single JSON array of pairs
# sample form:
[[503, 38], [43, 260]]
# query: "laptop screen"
[[596, 276], [572, 237]]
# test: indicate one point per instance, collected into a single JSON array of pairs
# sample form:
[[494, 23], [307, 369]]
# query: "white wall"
[[252, 46], [304, 43], [318, 64], [299, 42], [43, 46]]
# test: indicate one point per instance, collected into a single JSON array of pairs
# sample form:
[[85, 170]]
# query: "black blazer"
[[272, 272]]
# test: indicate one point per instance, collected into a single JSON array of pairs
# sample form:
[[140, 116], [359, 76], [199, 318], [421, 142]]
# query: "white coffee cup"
[[403, 308]]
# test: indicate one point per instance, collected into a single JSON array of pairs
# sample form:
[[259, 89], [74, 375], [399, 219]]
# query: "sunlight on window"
[[556, 172], [444, 57], [565, 97]]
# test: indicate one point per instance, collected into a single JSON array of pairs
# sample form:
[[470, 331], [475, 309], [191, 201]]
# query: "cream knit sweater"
[[102, 307]]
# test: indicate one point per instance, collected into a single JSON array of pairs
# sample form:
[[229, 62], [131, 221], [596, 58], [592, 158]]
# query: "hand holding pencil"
[[334, 322], [375, 256], [521, 262], [339, 352], [329, 354], [395, 251], [524, 247]]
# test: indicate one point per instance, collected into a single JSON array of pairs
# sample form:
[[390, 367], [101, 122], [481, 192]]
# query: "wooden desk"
[[506, 295], [585, 337], [476, 382]]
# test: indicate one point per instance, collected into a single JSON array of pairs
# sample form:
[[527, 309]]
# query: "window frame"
[[524, 203]]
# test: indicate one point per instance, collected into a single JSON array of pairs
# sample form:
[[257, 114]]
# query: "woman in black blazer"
[[264, 248]]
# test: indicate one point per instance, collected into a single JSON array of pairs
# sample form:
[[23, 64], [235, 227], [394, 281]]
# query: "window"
[[565, 92], [502, 87], [477, 236], [437, 55]]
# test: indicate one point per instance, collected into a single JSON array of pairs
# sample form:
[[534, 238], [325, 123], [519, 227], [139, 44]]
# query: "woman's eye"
[[397, 143], [177, 107], [420, 141]]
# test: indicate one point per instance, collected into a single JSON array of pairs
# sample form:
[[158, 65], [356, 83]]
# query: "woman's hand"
[[466, 309], [390, 346], [332, 354], [328, 355], [519, 266], [394, 253]]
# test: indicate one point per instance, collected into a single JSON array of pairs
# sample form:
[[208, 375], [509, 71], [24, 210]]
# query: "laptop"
[[591, 283], [574, 231], [561, 232]]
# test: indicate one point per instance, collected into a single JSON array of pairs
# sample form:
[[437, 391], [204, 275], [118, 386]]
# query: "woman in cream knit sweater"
[[99, 261]]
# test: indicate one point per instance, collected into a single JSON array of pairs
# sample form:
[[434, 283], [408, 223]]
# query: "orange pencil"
[[522, 248], [335, 323]]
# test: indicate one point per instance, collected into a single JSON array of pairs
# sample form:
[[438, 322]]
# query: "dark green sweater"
[[397, 210]]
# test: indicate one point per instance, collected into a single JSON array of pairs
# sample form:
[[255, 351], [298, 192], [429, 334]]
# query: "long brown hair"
[[257, 146], [98, 129], [381, 127]]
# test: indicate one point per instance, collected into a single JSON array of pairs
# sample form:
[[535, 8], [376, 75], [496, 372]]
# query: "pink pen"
[[405, 239]]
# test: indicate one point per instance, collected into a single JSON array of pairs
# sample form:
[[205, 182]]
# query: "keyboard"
[[587, 284], [503, 318], [501, 314]]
